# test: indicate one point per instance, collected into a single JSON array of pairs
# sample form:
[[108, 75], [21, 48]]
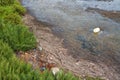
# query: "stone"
[[51, 58], [40, 48], [55, 70]]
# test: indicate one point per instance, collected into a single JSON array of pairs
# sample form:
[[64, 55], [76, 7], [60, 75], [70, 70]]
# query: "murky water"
[[73, 23]]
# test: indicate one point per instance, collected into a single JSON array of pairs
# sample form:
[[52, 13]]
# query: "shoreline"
[[55, 53]]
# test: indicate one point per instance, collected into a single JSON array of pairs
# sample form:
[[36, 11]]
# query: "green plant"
[[6, 2], [15, 8], [66, 76], [5, 51], [6, 10], [18, 37], [12, 18], [12, 68], [19, 9], [11, 14]]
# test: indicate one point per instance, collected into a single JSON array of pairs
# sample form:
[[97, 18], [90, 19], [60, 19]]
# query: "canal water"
[[73, 22]]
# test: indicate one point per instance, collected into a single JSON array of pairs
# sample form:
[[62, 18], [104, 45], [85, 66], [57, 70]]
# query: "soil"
[[50, 52]]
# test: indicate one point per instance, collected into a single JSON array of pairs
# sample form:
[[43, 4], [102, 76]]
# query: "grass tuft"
[[18, 37]]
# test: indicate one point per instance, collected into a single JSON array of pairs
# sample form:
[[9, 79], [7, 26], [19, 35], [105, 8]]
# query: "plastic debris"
[[96, 30]]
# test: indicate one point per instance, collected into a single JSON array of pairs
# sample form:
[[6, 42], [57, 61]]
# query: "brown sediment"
[[54, 54]]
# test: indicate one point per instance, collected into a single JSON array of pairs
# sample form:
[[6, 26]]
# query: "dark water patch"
[[91, 45], [57, 31]]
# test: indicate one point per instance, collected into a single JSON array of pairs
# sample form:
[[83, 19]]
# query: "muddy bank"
[[54, 52]]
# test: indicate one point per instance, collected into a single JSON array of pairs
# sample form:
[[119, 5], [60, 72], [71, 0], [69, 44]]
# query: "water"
[[105, 5], [74, 24]]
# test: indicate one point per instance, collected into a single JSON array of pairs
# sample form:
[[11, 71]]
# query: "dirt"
[[50, 52]]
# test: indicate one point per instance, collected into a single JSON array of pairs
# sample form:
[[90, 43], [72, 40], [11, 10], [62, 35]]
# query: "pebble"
[[40, 48], [51, 58], [77, 63], [26, 53], [55, 70]]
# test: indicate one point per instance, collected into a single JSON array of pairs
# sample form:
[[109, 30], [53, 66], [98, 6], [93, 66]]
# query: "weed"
[[6, 2], [12, 18], [18, 37]]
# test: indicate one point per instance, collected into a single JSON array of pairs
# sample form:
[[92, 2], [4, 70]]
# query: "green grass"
[[12, 14], [12, 18], [12, 30], [6, 2], [18, 37], [6, 10], [19, 9]]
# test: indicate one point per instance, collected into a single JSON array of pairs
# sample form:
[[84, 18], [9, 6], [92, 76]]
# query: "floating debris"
[[96, 30]]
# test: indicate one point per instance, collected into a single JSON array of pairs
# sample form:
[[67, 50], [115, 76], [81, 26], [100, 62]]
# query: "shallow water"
[[74, 24]]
